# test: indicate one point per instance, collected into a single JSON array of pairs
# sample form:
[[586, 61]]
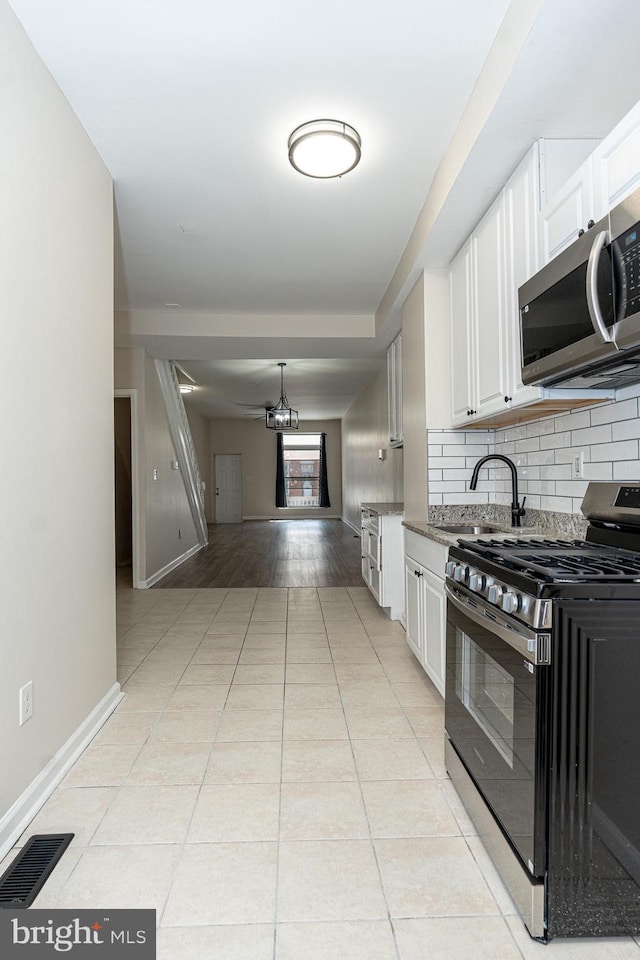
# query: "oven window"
[[487, 691]]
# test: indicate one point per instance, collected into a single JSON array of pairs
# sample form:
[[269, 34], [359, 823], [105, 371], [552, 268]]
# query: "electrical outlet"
[[578, 465], [25, 702]]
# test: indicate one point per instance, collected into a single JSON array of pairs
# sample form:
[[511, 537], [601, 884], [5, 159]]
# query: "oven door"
[[494, 716]]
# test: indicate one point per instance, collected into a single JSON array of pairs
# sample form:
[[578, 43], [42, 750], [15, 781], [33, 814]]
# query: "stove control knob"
[[449, 567], [477, 582], [495, 592], [460, 573], [511, 602]]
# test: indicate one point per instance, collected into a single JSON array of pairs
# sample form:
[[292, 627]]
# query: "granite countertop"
[[385, 507], [539, 523]]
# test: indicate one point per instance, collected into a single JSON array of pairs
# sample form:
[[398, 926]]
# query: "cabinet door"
[[462, 347], [397, 361], [413, 612], [375, 581], [567, 212], [616, 164], [488, 308], [394, 390], [434, 633], [522, 204], [364, 554], [391, 392]]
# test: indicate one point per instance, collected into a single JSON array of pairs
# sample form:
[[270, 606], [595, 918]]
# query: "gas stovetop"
[[552, 561]]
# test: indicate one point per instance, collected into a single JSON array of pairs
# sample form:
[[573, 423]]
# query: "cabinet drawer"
[[426, 552]]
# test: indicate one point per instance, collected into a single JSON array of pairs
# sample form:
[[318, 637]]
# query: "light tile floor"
[[274, 786]]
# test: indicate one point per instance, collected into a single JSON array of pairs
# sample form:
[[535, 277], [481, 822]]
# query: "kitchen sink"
[[467, 528]]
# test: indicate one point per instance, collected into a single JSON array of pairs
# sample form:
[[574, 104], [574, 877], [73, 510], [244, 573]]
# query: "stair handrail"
[[184, 445]]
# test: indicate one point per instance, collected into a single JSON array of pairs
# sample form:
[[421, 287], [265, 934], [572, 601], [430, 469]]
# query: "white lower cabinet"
[[382, 538], [425, 605]]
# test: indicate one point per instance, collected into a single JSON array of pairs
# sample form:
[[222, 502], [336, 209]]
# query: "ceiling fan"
[[256, 406]]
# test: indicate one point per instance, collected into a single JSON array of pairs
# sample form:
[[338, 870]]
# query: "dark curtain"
[[281, 493], [323, 491]]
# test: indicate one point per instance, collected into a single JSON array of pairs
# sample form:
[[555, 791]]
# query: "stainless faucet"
[[517, 511]]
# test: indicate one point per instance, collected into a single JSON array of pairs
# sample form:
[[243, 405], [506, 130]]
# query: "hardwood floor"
[[283, 553]]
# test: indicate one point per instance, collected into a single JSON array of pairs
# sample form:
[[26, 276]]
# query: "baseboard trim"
[[149, 582], [352, 525], [293, 516], [18, 817]]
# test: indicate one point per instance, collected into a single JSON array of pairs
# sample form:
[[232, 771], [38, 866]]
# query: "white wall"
[[56, 279], [257, 446], [365, 430], [544, 452], [163, 506]]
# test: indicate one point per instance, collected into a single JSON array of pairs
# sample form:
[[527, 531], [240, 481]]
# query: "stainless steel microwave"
[[580, 314]]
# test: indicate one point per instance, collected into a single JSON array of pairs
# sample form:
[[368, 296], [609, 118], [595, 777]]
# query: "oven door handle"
[[534, 647]]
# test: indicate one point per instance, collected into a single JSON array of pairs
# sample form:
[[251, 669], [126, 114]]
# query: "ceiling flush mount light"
[[324, 148], [281, 417]]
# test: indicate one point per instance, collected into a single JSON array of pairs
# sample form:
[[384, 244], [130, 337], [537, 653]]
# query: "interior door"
[[228, 474]]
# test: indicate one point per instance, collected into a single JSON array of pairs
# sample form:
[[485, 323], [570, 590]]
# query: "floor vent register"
[[21, 883]]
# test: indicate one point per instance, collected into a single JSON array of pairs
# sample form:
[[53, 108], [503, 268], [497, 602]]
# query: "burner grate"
[[562, 560]]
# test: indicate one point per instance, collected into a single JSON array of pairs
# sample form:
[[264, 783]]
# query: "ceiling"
[[227, 259]]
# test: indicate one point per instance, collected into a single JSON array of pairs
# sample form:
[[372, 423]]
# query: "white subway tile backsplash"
[[571, 488], [598, 471], [465, 498], [557, 471], [531, 443], [612, 412], [626, 429], [626, 470], [553, 440], [541, 427], [621, 450], [600, 434], [468, 450], [542, 486], [447, 463], [544, 451], [560, 504], [448, 486], [572, 421], [541, 457]]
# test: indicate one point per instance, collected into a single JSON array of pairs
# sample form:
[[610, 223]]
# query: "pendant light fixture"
[[324, 148], [281, 417]]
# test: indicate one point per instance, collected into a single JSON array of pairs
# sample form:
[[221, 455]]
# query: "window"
[[301, 454]]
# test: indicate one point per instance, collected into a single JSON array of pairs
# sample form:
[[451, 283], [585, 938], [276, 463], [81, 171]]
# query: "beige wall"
[[365, 430], [425, 380], [57, 609], [201, 433], [164, 511], [257, 446]]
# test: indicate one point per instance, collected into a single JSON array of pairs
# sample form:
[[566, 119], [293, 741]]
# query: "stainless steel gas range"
[[542, 714]]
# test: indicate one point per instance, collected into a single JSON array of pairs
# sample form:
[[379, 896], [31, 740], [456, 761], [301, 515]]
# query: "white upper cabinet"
[[490, 373], [501, 254], [616, 164], [569, 211], [462, 347], [605, 178], [521, 202], [394, 391]]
